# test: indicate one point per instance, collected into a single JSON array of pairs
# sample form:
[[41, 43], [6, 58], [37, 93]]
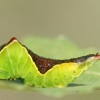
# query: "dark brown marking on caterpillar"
[[44, 64]]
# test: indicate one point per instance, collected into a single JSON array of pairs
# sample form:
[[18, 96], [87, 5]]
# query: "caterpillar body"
[[17, 61]]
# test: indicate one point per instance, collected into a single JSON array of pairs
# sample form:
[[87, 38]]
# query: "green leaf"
[[60, 48]]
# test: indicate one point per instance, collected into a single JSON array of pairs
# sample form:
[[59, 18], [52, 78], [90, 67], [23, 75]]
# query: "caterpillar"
[[17, 61]]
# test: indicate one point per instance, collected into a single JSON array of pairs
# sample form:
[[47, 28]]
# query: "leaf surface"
[[61, 48]]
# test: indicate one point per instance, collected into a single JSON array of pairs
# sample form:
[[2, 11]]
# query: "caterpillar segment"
[[17, 61]]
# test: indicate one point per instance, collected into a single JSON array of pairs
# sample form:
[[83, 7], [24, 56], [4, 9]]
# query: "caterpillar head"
[[80, 66]]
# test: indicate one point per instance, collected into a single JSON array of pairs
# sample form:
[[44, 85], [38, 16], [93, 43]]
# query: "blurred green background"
[[78, 20]]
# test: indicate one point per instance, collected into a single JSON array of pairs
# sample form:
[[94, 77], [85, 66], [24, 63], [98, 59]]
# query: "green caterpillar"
[[17, 61]]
